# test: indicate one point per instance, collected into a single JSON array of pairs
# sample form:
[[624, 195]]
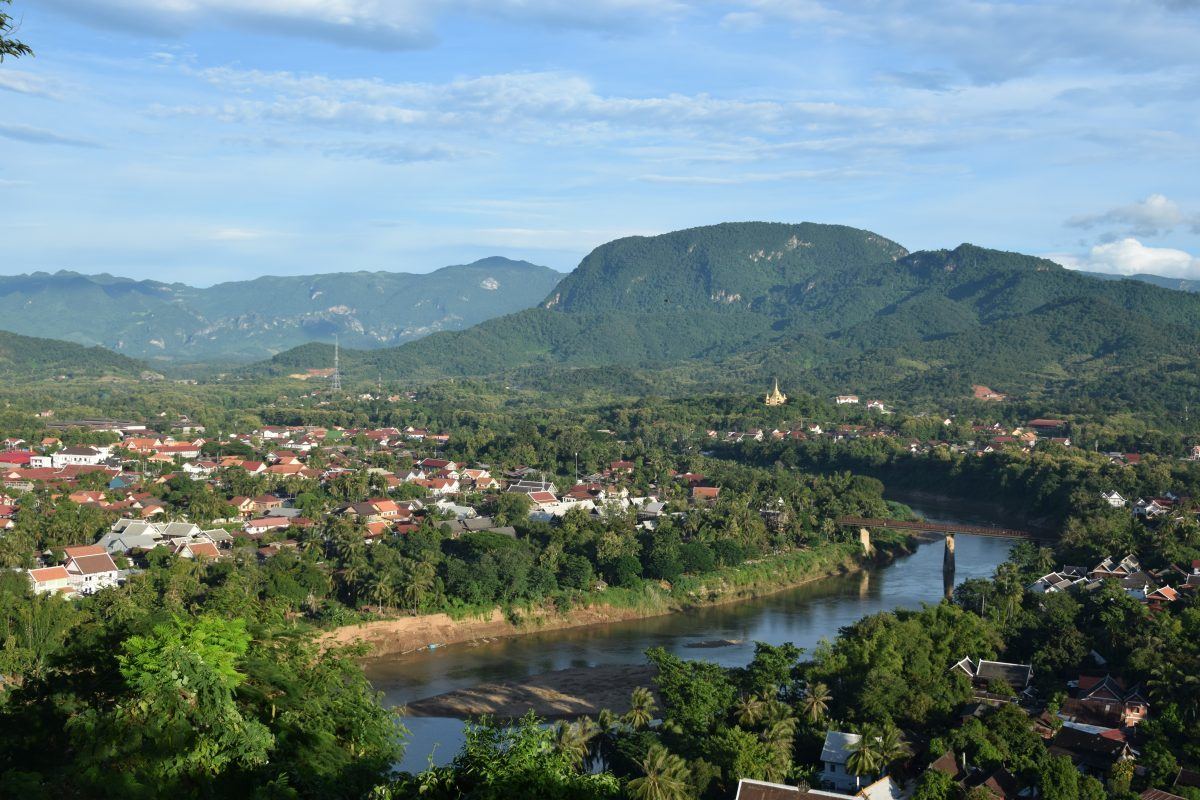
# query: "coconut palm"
[[641, 708], [569, 740], [815, 703], [665, 777], [865, 758], [890, 746], [419, 582], [748, 710]]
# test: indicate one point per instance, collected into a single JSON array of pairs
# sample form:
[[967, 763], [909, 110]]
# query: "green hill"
[[823, 307], [27, 358], [247, 320]]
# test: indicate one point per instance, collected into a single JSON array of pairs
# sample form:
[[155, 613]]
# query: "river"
[[803, 616]]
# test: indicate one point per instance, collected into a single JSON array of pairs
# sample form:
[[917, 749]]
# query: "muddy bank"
[[391, 637], [561, 694], [403, 635]]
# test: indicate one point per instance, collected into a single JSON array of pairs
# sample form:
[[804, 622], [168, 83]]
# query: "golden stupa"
[[775, 397]]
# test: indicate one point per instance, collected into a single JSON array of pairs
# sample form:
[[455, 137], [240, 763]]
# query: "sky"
[[211, 140]]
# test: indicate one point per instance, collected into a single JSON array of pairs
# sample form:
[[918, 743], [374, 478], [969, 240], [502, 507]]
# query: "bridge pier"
[[864, 538], [948, 568]]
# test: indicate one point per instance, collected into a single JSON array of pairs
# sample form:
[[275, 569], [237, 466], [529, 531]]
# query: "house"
[[1058, 581], [834, 755], [750, 789], [199, 551], [49, 580], [982, 673], [91, 568], [257, 527], [705, 494], [846, 399], [80, 456], [1107, 696], [264, 503], [1091, 753], [1114, 499]]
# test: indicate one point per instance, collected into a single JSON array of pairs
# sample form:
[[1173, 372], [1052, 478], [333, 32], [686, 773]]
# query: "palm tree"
[[665, 777], [779, 738], [865, 758], [641, 708], [570, 742], [419, 583], [748, 710], [890, 747], [815, 703], [382, 589]]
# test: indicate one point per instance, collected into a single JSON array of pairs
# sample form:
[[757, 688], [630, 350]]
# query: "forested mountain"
[[246, 320], [26, 358], [824, 308]]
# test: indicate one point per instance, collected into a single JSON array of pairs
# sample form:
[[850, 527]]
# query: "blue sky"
[[208, 140]]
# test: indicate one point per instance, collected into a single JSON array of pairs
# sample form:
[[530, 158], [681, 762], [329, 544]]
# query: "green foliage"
[[9, 46], [694, 693]]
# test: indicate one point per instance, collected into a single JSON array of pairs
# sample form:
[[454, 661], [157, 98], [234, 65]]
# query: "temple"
[[776, 397]]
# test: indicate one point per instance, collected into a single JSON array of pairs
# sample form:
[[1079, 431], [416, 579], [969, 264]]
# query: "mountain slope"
[[27, 358], [846, 309], [256, 318]]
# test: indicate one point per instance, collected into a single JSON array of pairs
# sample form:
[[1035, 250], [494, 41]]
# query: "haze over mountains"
[[250, 320], [821, 306]]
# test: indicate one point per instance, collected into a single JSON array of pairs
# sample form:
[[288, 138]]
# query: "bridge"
[[865, 524], [921, 526]]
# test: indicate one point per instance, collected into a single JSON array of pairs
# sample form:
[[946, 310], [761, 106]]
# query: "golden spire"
[[775, 397]]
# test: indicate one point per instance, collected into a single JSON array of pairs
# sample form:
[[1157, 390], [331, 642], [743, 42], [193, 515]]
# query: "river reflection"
[[803, 616]]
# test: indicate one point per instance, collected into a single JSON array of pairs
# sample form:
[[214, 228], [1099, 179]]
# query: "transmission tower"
[[335, 380]]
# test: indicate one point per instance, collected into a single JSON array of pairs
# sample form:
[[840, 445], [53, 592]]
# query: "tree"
[[641, 708], [8, 45], [815, 703], [665, 777], [178, 720], [935, 785]]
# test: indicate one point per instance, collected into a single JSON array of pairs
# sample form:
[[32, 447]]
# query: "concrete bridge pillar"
[[864, 538], [948, 567]]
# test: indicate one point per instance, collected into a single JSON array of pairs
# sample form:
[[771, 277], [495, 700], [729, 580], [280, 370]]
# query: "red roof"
[[47, 574]]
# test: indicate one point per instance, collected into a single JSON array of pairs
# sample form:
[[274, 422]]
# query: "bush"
[[697, 557]]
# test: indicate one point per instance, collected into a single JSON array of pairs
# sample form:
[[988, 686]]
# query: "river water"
[[803, 616]]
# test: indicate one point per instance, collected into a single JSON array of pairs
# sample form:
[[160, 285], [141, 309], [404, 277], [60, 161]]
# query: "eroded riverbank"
[[770, 575]]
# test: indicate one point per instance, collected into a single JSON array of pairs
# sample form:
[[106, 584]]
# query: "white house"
[[49, 580], [90, 568], [1114, 499], [843, 399], [80, 456]]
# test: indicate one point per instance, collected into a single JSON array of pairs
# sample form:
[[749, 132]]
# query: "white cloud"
[[27, 83], [1155, 215], [376, 24], [1130, 257], [238, 234]]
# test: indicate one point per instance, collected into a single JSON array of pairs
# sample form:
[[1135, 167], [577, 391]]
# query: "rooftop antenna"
[[335, 380]]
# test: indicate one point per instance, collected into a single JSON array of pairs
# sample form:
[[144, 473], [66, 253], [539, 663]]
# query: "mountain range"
[[250, 320], [824, 307]]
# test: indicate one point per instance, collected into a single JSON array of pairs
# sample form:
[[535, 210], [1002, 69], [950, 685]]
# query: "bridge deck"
[[937, 527]]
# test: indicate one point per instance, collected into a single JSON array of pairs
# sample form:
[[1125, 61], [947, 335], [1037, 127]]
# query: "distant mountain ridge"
[[1179, 284], [821, 307], [253, 319]]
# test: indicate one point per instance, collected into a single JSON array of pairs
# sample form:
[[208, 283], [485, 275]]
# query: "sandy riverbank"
[[398, 636], [562, 694]]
